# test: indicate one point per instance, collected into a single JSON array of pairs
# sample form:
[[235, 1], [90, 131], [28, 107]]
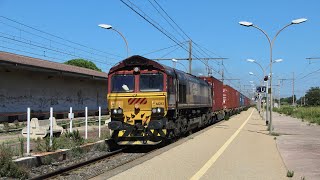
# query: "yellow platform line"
[[214, 158]]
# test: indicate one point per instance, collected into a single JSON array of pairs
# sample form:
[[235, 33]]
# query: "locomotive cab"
[[137, 100]]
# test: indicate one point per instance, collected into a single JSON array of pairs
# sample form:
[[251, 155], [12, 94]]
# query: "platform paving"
[[299, 146], [240, 148]]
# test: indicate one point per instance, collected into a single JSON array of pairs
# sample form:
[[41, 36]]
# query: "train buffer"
[[41, 128]]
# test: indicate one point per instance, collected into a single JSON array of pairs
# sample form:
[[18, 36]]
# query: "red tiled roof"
[[35, 62]]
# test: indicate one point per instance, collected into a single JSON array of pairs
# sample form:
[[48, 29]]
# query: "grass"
[[310, 114], [290, 173], [7, 167]]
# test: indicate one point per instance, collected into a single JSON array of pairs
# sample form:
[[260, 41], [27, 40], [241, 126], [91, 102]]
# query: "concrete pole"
[[51, 125], [267, 102], [279, 94], [99, 121], [28, 131], [190, 56], [71, 117], [86, 122], [293, 101]]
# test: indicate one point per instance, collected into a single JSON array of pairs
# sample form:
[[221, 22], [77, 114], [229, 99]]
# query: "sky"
[[63, 30]]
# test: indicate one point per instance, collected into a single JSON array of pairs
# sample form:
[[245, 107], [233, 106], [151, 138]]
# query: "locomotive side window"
[[122, 83], [182, 93], [151, 82]]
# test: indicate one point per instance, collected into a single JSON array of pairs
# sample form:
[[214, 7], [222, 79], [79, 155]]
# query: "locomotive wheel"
[[177, 130]]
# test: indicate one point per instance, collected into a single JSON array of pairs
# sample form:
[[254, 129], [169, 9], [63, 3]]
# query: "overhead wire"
[[161, 29], [59, 37], [162, 49], [164, 17], [43, 47]]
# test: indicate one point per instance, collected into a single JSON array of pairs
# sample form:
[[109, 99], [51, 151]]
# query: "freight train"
[[151, 103]]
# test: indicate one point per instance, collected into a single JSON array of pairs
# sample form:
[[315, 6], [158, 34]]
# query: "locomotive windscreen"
[[122, 83], [151, 82]]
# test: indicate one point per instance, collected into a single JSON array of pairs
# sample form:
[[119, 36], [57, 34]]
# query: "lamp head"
[[250, 60], [105, 26], [245, 23], [174, 60], [278, 60], [251, 73], [298, 21]]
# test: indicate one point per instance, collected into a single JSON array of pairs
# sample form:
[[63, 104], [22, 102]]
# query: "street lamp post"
[[259, 95], [271, 42], [106, 26], [265, 82]]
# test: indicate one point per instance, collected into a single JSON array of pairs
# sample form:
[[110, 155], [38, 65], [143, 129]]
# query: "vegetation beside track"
[[310, 114]]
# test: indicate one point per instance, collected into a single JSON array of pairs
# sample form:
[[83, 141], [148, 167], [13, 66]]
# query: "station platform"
[[239, 148]]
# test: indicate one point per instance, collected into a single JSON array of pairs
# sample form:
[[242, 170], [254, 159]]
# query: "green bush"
[[45, 146], [7, 167], [311, 114], [75, 137], [290, 173], [21, 140]]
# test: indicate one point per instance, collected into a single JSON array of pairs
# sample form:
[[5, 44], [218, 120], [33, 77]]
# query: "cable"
[[49, 49], [171, 19], [58, 37], [162, 49], [149, 21], [165, 18]]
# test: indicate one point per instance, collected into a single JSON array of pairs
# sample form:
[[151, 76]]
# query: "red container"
[[231, 97], [217, 87]]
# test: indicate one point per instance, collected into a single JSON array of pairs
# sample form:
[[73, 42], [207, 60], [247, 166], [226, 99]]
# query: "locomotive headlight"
[[136, 69], [158, 110], [114, 111], [120, 111], [154, 110]]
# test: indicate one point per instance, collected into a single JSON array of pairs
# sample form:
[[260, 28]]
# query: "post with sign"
[[86, 132], [99, 121], [51, 126], [71, 116]]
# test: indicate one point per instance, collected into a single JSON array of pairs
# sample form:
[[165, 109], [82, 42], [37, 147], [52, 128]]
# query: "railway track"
[[96, 166], [102, 164], [76, 166]]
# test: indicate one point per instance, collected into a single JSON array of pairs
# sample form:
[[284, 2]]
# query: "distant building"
[[40, 84]]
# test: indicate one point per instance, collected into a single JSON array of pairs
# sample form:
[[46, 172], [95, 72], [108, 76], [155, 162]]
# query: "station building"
[[40, 84]]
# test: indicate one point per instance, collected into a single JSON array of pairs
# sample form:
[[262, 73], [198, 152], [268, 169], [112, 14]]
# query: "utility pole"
[[279, 93], [293, 89], [222, 73], [190, 59], [190, 55]]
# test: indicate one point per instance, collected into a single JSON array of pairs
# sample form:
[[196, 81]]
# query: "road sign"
[[261, 89]]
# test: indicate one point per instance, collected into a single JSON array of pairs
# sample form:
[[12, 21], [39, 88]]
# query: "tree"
[[83, 63], [313, 96]]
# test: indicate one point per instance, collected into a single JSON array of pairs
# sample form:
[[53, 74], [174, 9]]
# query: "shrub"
[[75, 137], [17, 124], [45, 146], [290, 173], [7, 167], [21, 140], [6, 126]]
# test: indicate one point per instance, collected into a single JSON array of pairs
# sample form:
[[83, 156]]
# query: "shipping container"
[[217, 90], [231, 97]]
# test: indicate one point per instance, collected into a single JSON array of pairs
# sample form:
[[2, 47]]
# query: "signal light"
[[266, 78]]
